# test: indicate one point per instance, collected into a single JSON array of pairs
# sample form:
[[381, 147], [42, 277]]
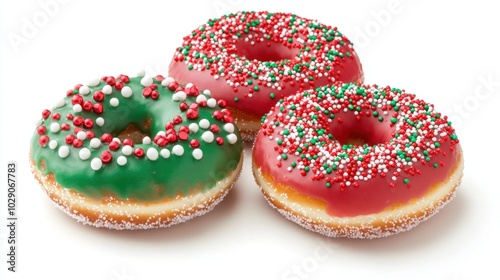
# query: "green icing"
[[141, 179]]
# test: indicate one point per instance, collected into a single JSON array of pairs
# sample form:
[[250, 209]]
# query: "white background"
[[447, 54]]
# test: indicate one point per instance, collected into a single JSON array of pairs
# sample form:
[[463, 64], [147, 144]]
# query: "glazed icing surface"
[[252, 59], [359, 148], [186, 144]]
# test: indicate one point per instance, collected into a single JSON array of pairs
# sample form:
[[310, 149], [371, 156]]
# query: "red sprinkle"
[[106, 156], [139, 152]]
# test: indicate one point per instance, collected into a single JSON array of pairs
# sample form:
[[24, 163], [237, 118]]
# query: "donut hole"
[[135, 132], [349, 130], [266, 50]]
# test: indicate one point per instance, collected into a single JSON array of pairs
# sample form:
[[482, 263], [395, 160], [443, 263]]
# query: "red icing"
[[284, 45], [344, 193]]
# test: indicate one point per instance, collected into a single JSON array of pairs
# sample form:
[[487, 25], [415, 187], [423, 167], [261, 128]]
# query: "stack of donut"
[[336, 156]]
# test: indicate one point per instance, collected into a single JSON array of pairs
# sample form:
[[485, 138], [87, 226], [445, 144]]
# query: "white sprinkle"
[[38, 122], [229, 127], [146, 81], [204, 123], [211, 102], [197, 153], [121, 160], [77, 108], [167, 81], [63, 151], [55, 127], [107, 89], [193, 127], [208, 136], [94, 82], [81, 135], [165, 153], [207, 93], [200, 98], [188, 85], [117, 140], [84, 90], [114, 102], [84, 154], [126, 92], [141, 73], [61, 103], [95, 143], [127, 150], [96, 164], [179, 96], [232, 138], [152, 154], [178, 150], [99, 121], [53, 144], [146, 140]]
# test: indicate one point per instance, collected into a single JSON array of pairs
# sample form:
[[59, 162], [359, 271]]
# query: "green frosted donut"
[[124, 152]]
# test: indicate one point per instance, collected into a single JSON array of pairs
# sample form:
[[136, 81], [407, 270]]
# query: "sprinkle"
[[141, 73], [193, 127], [84, 153], [53, 144], [179, 96], [165, 153], [121, 160], [211, 102], [81, 135], [61, 103], [95, 143], [197, 154], [114, 102], [146, 140], [208, 136], [55, 127], [146, 81], [207, 93], [63, 151], [229, 127], [152, 154], [178, 150], [96, 164], [126, 92], [127, 150], [99, 121], [201, 98], [167, 81], [94, 82], [232, 138], [204, 123], [107, 89], [77, 108], [84, 90]]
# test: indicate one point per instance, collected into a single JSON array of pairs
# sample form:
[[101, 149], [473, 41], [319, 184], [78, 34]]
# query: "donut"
[[357, 161], [136, 152], [253, 59]]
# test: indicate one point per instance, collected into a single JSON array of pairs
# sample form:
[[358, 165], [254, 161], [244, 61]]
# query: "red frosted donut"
[[252, 59], [357, 161]]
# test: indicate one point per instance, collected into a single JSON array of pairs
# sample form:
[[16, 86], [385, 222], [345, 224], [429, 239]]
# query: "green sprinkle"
[[394, 120], [406, 180], [272, 95], [256, 88], [284, 156], [435, 165], [190, 67], [236, 99]]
